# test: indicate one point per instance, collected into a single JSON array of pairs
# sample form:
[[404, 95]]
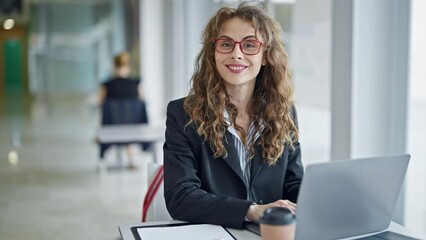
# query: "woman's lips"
[[236, 68]]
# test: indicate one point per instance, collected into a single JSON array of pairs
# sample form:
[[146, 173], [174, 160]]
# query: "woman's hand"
[[255, 211]]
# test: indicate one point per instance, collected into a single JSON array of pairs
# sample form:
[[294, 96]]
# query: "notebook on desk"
[[181, 231], [346, 198]]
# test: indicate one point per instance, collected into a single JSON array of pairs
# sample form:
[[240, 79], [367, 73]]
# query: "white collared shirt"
[[243, 152]]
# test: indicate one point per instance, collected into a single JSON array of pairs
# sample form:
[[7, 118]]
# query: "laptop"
[[347, 198]]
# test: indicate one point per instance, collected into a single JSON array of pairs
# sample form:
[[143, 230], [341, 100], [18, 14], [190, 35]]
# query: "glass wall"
[[310, 55], [71, 44], [416, 178]]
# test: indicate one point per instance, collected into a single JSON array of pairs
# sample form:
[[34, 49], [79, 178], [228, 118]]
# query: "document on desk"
[[185, 232]]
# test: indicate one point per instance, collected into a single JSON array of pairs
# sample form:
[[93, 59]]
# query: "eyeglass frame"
[[239, 43]]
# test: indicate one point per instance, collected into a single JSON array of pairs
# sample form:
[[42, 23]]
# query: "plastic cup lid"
[[277, 216]]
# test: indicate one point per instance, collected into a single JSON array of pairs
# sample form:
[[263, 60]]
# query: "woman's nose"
[[237, 53]]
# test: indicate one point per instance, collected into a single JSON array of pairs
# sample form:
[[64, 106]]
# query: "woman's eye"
[[249, 44], [226, 44]]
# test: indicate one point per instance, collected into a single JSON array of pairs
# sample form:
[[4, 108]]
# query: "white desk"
[[133, 133], [126, 233]]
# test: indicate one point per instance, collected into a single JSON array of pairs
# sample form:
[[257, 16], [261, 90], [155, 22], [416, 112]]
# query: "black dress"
[[122, 88], [122, 106]]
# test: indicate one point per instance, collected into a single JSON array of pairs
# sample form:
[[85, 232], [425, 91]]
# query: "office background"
[[358, 70]]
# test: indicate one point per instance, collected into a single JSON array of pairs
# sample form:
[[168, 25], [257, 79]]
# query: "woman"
[[121, 87], [232, 147]]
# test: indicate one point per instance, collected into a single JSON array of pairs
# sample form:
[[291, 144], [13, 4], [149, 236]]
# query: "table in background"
[[137, 133]]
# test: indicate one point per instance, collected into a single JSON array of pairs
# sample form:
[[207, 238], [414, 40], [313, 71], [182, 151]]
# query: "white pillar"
[[185, 22], [170, 41], [341, 79], [152, 62], [380, 77], [370, 79]]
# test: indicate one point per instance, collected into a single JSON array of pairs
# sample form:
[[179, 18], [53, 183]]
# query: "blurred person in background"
[[118, 89]]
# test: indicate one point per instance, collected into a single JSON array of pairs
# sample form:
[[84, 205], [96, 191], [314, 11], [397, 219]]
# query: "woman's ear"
[[264, 60]]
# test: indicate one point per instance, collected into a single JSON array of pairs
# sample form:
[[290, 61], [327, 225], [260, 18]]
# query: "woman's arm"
[[101, 94], [256, 211], [294, 174], [141, 91]]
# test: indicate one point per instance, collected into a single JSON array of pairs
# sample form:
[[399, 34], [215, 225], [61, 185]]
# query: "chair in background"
[[154, 205], [123, 111]]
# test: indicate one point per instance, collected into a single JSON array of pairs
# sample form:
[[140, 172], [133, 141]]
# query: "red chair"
[[154, 206]]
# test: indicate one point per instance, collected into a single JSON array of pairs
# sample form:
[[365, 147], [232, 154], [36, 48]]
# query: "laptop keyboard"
[[254, 227], [388, 236]]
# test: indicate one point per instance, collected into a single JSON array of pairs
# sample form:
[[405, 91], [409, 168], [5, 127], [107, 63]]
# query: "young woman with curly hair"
[[232, 146]]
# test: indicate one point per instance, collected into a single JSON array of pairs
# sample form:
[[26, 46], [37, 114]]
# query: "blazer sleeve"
[[294, 174], [184, 197]]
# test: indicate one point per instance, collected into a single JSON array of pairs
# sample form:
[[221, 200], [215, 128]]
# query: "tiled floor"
[[55, 190]]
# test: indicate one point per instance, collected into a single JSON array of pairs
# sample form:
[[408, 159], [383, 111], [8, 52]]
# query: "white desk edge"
[[126, 233]]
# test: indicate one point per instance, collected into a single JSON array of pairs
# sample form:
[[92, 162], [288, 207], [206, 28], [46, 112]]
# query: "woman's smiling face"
[[237, 68]]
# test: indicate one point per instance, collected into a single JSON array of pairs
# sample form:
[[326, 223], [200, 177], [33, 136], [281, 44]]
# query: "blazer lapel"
[[257, 162], [232, 158]]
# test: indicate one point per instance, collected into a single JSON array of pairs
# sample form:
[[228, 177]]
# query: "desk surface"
[[126, 233]]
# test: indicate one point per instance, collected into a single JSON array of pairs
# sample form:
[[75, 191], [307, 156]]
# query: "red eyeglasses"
[[248, 47]]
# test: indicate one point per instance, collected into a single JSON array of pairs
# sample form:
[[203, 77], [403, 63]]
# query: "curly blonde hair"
[[272, 102]]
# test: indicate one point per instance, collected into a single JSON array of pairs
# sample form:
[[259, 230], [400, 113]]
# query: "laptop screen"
[[349, 197]]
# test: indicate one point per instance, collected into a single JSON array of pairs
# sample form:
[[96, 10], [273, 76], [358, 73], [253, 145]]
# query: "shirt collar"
[[228, 120], [226, 117]]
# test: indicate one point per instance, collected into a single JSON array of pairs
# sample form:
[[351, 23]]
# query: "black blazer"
[[202, 189]]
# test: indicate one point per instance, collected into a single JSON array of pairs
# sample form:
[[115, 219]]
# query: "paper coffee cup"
[[277, 223]]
